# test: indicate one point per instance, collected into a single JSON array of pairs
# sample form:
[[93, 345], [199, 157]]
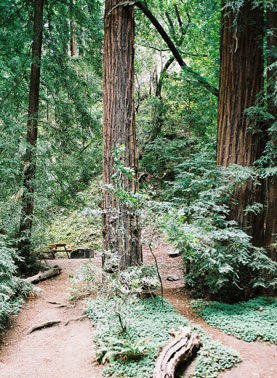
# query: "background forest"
[[217, 208]]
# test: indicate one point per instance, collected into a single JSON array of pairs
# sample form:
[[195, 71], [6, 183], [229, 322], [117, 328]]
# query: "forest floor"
[[67, 351]]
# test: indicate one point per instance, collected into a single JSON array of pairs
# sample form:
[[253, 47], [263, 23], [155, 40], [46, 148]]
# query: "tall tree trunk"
[[241, 80], [121, 232], [73, 32], [158, 106], [73, 38], [271, 216], [26, 221]]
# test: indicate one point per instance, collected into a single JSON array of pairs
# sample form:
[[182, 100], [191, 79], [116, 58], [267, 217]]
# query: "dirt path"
[[57, 352], [259, 359], [68, 352]]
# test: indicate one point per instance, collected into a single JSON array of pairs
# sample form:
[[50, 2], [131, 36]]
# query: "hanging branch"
[[143, 7]]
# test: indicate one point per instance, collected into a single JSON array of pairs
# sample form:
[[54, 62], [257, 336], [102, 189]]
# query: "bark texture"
[[26, 221], [121, 232], [178, 351], [271, 214], [41, 276], [240, 140]]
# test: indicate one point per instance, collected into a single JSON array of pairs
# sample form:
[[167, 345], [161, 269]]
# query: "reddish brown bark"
[[271, 214], [241, 80], [121, 233], [73, 38], [26, 221]]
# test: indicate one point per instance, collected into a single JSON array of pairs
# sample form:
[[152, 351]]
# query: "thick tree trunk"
[[271, 215], [26, 221], [121, 232], [241, 80]]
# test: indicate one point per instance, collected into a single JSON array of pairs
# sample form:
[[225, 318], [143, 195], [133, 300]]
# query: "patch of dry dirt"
[[57, 352]]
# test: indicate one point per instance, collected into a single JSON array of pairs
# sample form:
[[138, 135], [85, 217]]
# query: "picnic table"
[[54, 248]]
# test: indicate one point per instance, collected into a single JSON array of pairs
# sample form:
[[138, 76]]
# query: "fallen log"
[[41, 276], [43, 325], [179, 349]]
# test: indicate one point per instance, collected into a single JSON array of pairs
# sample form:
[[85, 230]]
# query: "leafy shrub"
[[150, 321], [219, 257], [250, 321], [135, 280], [12, 288]]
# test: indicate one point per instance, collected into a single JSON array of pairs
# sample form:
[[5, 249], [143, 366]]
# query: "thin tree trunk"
[[158, 107], [201, 80], [241, 80], [73, 32], [26, 221], [121, 232], [73, 38], [271, 214]]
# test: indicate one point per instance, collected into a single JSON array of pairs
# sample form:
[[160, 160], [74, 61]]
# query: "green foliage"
[[250, 321], [219, 257], [121, 349], [150, 321], [135, 280], [12, 288]]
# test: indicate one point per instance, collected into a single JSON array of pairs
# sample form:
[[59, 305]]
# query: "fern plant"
[[219, 257], [12, 288]]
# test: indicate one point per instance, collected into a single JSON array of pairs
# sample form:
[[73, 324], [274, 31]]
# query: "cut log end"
[[176, 352]]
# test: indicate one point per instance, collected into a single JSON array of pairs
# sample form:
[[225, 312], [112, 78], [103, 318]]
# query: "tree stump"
[[179, 349]]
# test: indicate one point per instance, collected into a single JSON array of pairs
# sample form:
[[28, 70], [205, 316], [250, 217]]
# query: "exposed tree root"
[[43, 325], [75, 319]]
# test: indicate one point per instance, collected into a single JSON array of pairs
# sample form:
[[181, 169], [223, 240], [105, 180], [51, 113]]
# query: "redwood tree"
[[121, 233], [26, 220], [271, 217], [241, 80]]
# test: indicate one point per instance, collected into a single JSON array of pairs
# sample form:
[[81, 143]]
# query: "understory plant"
[[133, 353], [220, 259], [250, 321], [12, 288]]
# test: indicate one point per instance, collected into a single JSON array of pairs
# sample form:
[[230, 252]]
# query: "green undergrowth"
[[250, 321], [147, 323], [12, 289], [79, 227]]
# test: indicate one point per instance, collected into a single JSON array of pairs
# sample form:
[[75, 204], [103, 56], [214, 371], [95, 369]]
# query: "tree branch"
[[143, 7]]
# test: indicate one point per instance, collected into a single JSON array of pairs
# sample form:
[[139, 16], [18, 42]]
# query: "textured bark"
[[121, 232], [73, 38], [271, 214], [178, 351], [241, 80], [26, 221], [42, 276]]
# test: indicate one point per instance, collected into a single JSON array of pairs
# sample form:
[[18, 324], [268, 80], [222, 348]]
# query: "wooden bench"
[[54, 248]]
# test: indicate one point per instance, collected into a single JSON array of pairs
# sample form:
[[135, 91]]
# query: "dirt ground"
[[67, 351], [57, 352]]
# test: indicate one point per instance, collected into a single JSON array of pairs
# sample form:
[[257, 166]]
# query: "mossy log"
[[179, 349], [41, 276]]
